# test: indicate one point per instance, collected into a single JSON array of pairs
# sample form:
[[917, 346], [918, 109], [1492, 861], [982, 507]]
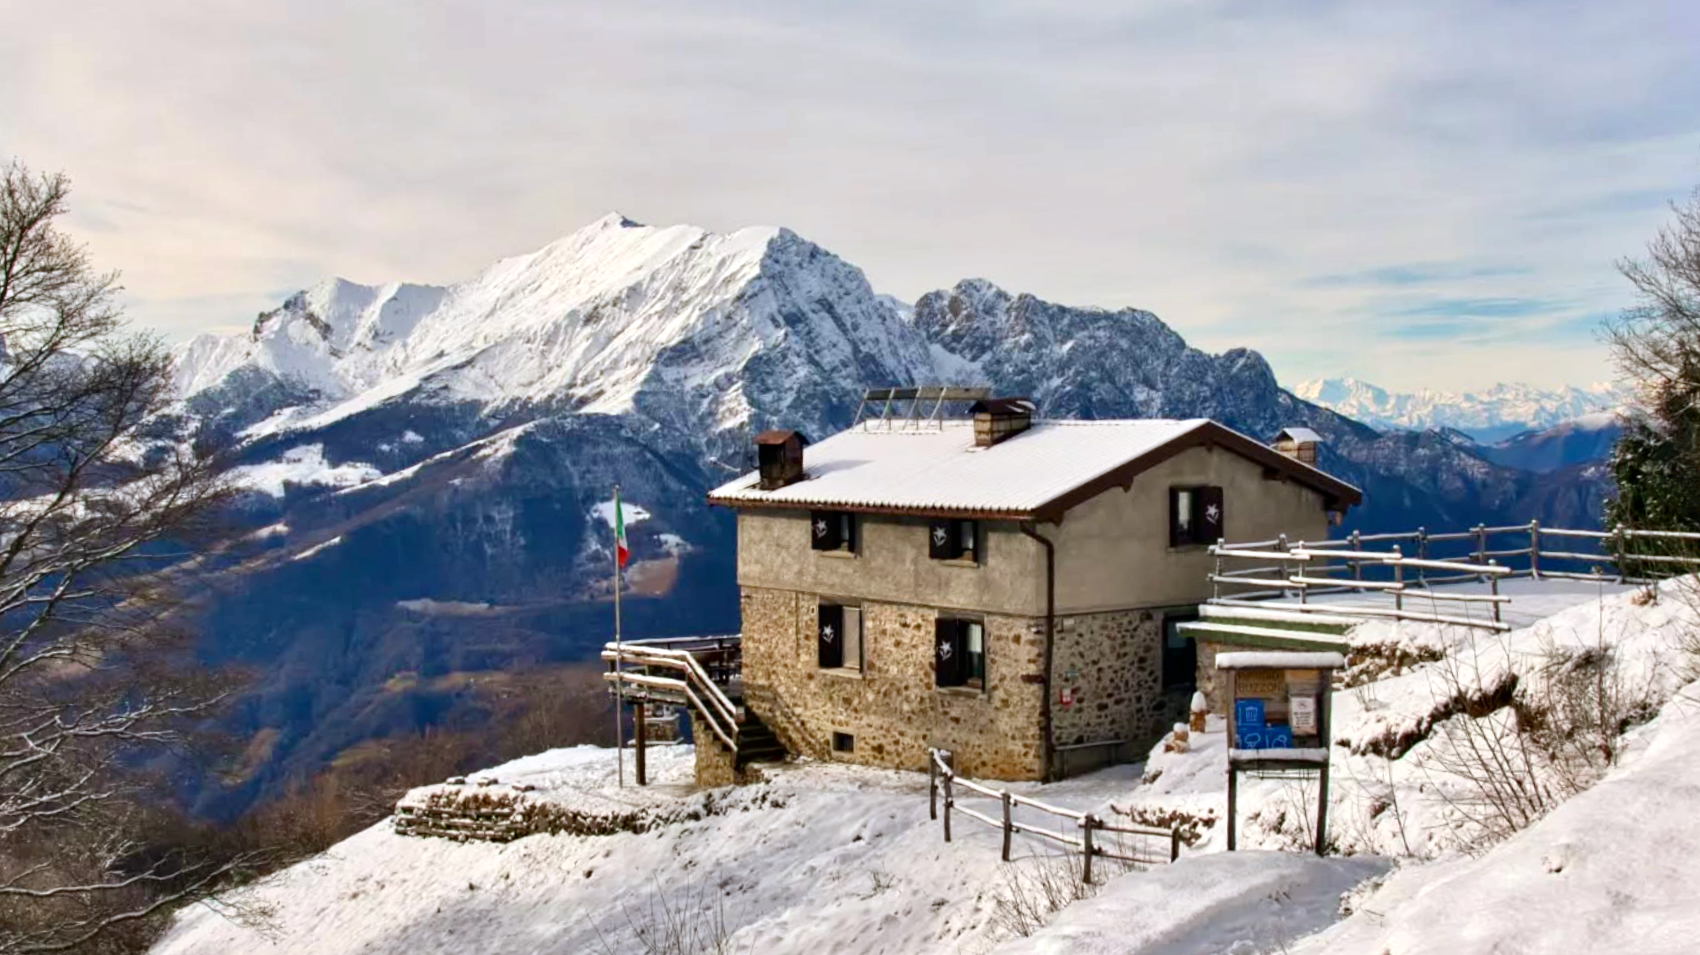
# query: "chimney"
[[996, 419], [779, 458], [1298, 444]]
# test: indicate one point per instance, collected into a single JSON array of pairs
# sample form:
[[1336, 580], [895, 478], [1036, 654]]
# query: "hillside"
[[425, 463], [834, 858]]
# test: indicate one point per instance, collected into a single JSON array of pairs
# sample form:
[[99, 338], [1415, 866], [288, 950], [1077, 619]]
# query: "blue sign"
[[1248, 714], [1278, 736]]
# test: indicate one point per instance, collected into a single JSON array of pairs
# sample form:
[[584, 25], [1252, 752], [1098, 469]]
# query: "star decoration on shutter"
[[939, 536], [944, 649], [1213, 514], [827, 634], [820, 528]]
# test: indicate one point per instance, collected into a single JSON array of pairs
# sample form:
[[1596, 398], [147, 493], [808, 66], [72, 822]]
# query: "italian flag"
[[622, 552]]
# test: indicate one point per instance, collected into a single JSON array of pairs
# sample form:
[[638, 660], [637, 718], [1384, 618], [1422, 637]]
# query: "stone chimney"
[[779, 458], [998, 419], [1298, 444]]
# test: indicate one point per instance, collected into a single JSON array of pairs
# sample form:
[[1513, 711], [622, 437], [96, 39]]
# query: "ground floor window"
[[1180, 652], [839, 637], [960, 652]]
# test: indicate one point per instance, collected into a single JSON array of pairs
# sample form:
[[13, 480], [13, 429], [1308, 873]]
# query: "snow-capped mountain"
[[414, 451], [1487, 416]]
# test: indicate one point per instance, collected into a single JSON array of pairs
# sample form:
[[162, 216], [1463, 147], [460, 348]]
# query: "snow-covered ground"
[[829, 858]]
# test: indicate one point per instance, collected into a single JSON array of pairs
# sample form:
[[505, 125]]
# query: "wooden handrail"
[[941, 776]]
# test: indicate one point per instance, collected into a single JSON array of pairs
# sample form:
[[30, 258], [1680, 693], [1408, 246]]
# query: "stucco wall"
[[892, 708], [1113, 551], [891, 564]]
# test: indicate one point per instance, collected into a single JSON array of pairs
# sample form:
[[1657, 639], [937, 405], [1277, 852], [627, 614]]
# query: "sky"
[[1419, 193]]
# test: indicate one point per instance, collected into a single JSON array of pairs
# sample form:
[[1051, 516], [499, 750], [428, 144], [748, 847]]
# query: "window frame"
[[846, 611], [849, 532], [958, 631], [961, 540], [1187, 524]]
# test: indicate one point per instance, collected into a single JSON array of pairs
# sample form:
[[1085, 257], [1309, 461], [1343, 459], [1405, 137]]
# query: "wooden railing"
[[639, 670], [941, 775], [1416, 560]]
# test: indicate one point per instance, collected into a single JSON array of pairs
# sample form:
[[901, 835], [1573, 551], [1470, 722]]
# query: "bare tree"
[[94, 520], [1656, 345]]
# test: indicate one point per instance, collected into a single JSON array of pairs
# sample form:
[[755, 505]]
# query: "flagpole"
[[619, 687]]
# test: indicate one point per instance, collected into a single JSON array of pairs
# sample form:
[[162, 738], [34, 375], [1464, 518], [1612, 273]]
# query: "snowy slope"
[[831, 858], [1491, 415]]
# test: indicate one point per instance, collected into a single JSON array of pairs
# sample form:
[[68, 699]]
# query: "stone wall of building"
[[1111, 664], [891, 708], [1111, 667], [715, 764], [1211, 682]]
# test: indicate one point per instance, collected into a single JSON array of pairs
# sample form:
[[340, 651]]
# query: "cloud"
[[1288, 175]]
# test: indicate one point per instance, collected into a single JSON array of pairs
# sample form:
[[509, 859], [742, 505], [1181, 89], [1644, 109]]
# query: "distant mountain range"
[[429, 466], [1489, 416]]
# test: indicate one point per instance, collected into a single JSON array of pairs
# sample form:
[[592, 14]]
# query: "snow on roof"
[[1302, 435], [941, 469], [1287, 659]]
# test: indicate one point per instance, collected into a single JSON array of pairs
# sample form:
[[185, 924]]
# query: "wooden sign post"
[[1278, 709]]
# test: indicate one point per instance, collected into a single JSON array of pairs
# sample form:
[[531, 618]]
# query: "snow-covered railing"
[[941, 775], [1413, 561], [1289, 571], [632, 667]]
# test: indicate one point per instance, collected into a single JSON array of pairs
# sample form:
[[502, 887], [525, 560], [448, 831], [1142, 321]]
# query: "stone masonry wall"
[[895, 712], [715, 764], [892, 707], [1111, 665]]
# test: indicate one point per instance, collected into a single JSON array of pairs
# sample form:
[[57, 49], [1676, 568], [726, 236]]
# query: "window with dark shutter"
[[1207, 515], [948, 652], [1180, 516], [944, 539], [830, 636], [949, 539], [832, 530]]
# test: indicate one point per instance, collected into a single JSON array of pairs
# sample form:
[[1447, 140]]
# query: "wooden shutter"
[[1207, 515], [830, 636], [948, 664], [944, 539], [826, 530]]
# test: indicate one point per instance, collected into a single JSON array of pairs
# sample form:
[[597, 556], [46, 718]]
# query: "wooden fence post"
[[1535, 549], [949, 799], [1008, 829], [1618, 550], [1398, 578], [1216, 578], [1086, 844], [1357, 564], [1493, 589], [1174, 845], [1481, 543], [932, 784]]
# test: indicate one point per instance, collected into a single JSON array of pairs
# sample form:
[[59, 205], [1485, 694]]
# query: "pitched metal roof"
[[1037, 474]]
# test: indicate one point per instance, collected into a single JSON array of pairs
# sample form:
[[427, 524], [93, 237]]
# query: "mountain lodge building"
[[1005, 587]]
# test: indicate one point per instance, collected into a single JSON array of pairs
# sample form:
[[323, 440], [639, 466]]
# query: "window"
[[839, 637], [843, 742], [1180, 653], [1195, 516], [832, 531], [950, 539], [960, 654]]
